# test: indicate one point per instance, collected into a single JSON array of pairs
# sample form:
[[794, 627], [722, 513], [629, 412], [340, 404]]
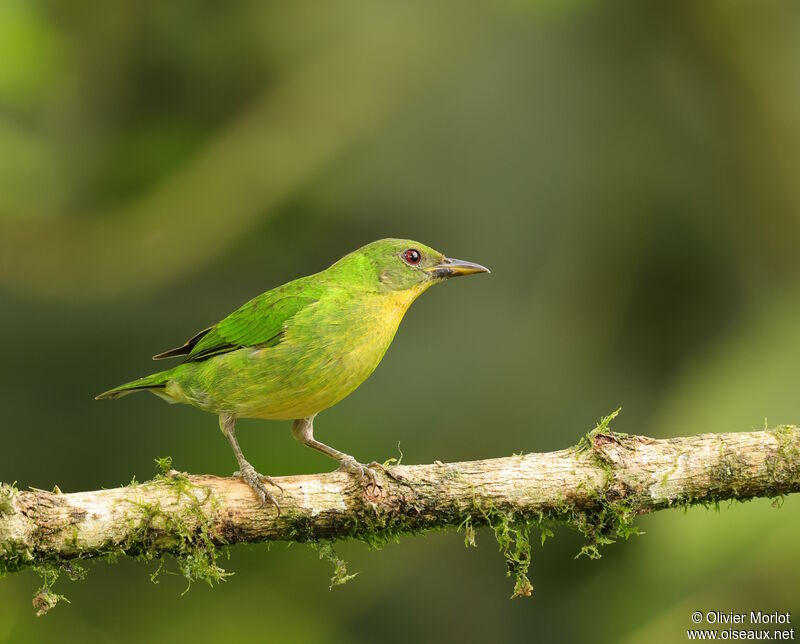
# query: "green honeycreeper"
[[291, 352]]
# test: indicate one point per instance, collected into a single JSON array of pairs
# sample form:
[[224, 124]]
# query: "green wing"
[[260, 322]]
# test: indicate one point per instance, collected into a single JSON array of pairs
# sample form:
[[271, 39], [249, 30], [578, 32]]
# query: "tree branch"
[[598, 486]]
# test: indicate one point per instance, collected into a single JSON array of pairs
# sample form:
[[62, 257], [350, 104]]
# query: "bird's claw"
[[256, 481], [351, 465]]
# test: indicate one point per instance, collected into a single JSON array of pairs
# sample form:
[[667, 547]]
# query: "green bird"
[[300, 348]]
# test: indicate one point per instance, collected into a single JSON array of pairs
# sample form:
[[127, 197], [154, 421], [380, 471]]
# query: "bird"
[[302, 347]]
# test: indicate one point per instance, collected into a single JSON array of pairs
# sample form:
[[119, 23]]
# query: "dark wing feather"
[[185, 349], [258, 323]]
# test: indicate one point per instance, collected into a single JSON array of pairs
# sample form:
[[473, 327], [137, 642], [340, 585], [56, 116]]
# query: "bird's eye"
[[412, 256]]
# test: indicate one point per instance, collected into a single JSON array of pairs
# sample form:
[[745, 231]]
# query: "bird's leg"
[[246, 471], [303, 430]]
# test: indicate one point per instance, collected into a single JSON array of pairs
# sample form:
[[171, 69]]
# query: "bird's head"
[[403, 265]]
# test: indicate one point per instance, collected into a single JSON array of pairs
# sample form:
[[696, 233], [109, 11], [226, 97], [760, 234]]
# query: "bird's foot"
[[256, 481], [351, 465]]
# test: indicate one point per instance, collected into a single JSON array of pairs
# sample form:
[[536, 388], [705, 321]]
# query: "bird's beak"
[[449, 267]]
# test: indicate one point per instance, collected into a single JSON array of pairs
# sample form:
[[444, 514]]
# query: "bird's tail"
[[155, 382]]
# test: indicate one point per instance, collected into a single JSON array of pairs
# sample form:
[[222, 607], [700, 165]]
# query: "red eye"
[[412, 256]]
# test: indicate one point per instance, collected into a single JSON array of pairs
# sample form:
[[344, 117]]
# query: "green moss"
[[602, 427], [187, 535], [7, 493], [376, 527], [394, 460], [14, 556], [545, 532], [608, 520], [75, 570], [785, 468], [513, 538], [609, 517], [164, 464], [326, 551], [469, 532], [45, 599]]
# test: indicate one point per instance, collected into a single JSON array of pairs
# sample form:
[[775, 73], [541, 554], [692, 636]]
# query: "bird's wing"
[[260, 322]]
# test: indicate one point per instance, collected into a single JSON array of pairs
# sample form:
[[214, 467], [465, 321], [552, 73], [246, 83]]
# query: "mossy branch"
[[598, 486]]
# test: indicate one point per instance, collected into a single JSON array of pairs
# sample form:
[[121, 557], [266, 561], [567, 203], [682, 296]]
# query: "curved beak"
[[449, 267]]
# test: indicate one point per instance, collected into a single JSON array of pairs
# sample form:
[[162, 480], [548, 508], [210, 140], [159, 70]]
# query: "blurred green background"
[[627, 169]]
